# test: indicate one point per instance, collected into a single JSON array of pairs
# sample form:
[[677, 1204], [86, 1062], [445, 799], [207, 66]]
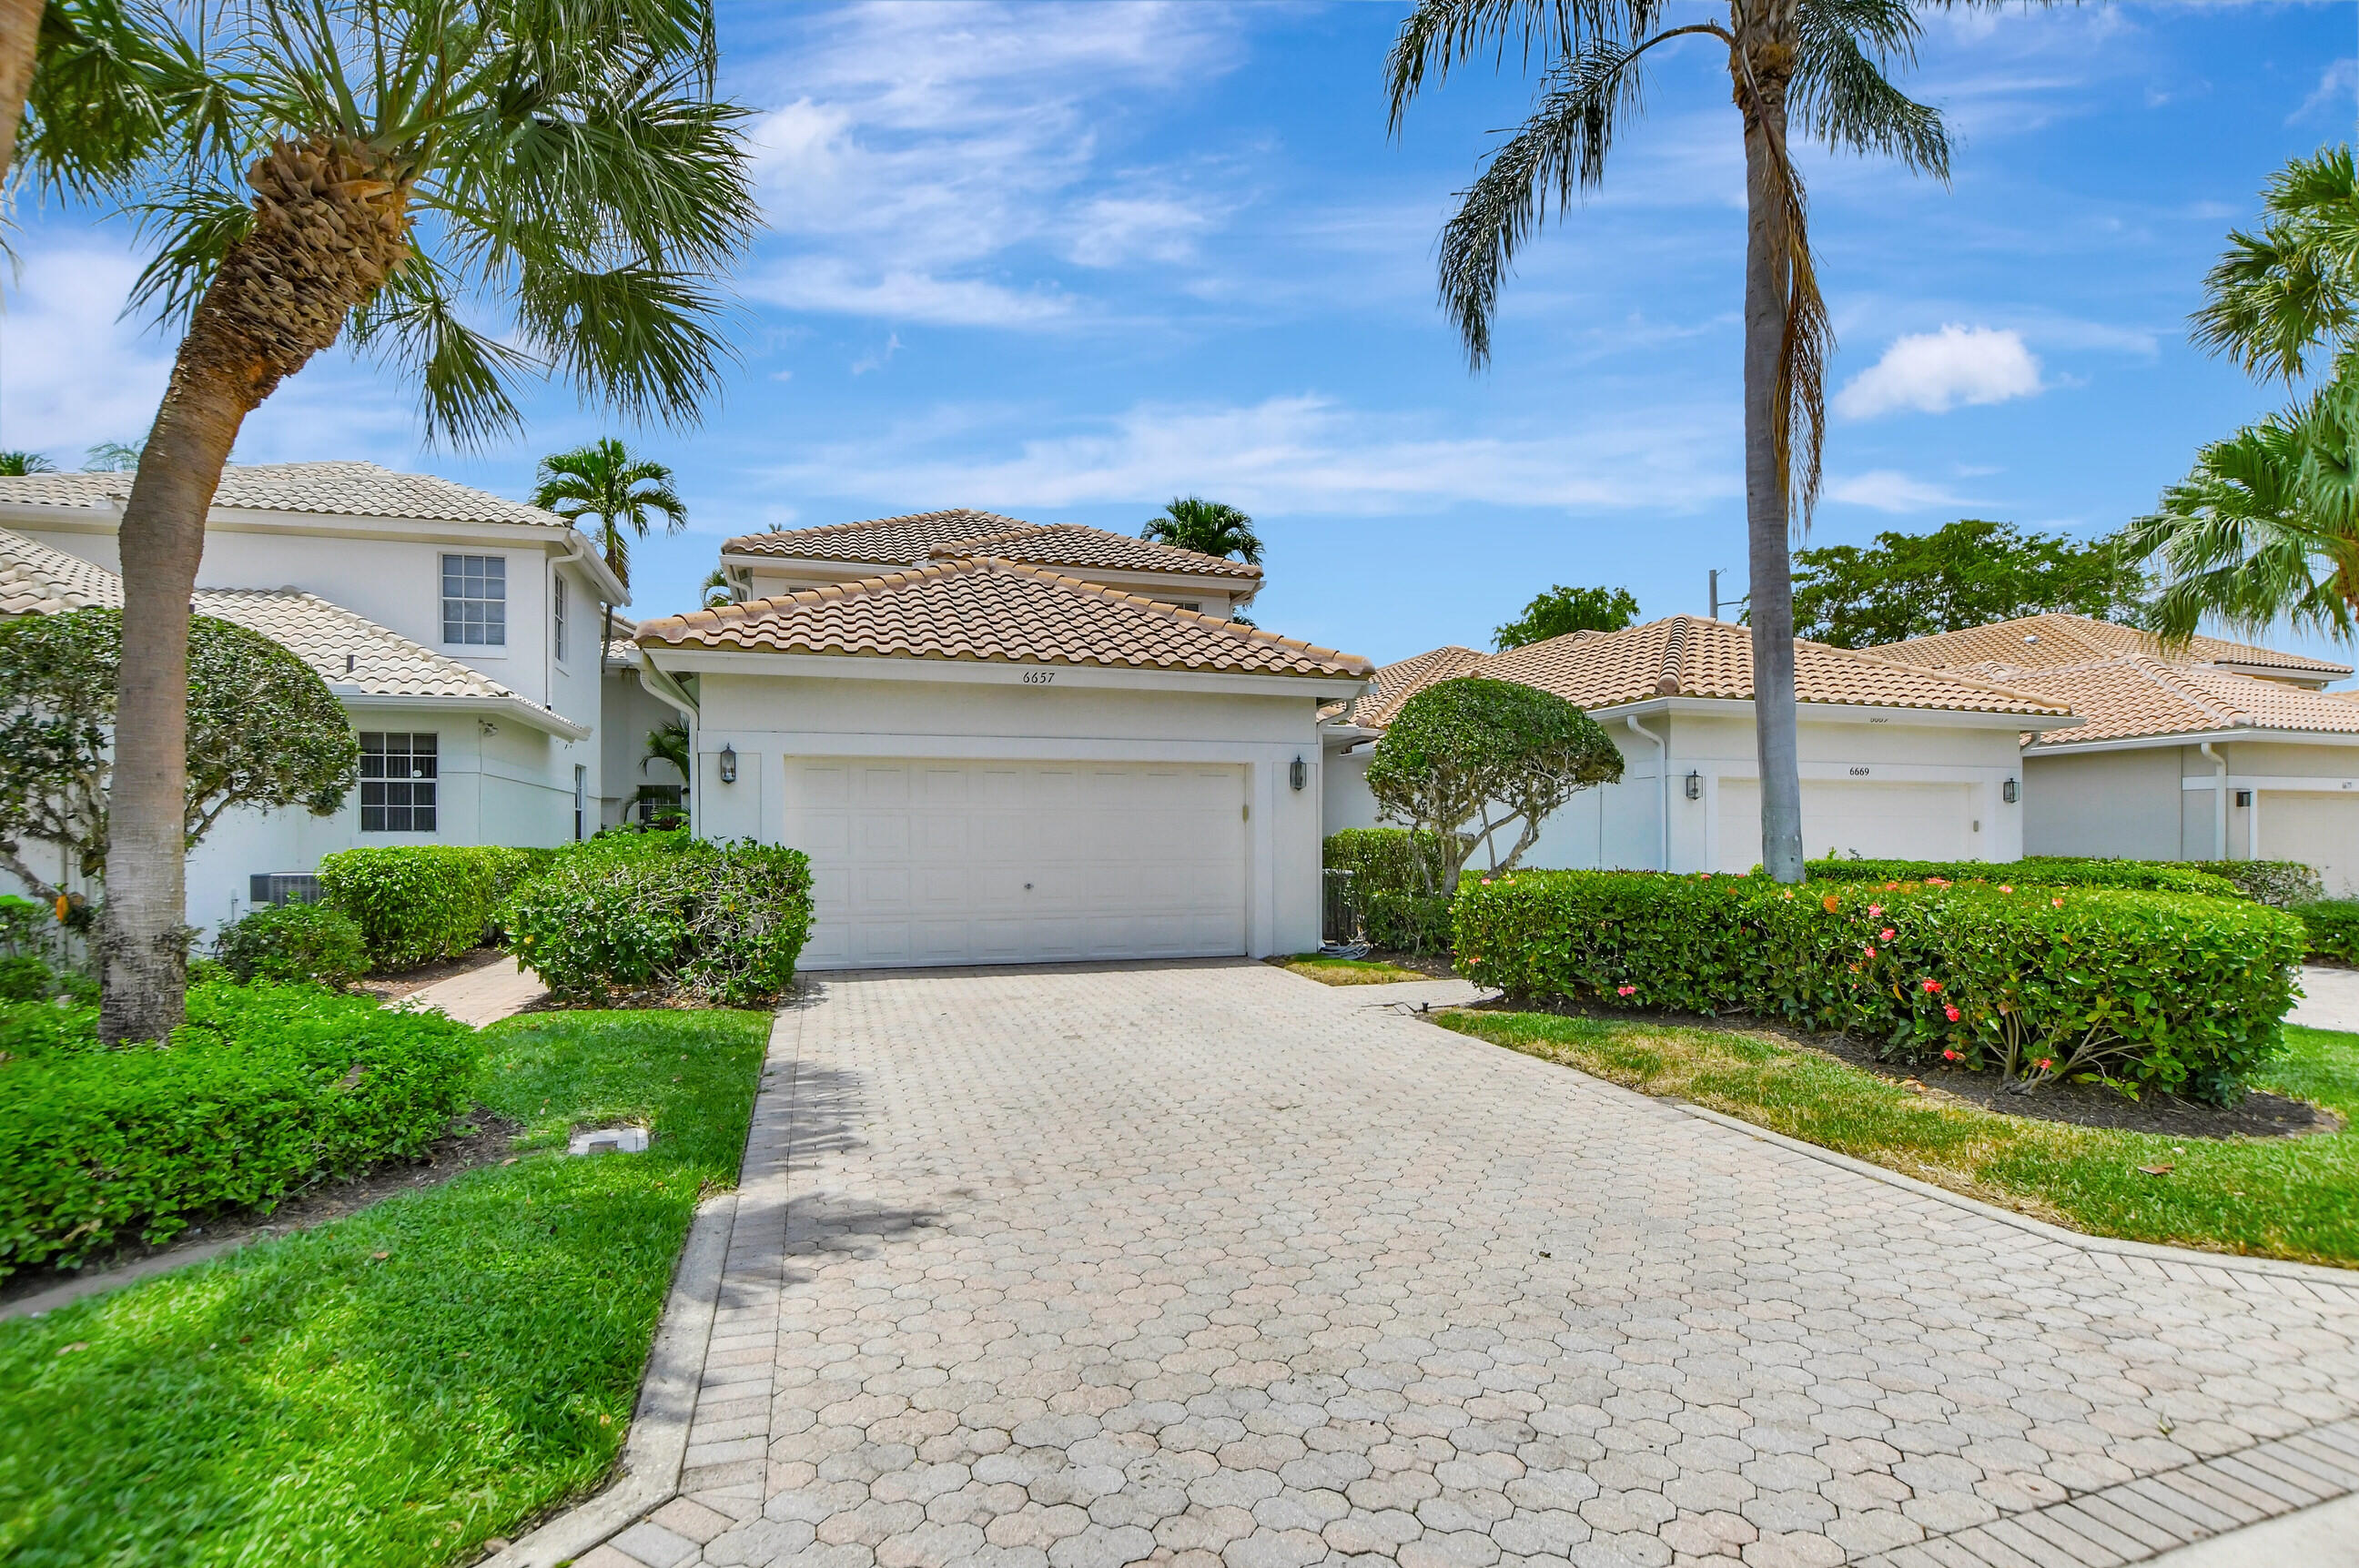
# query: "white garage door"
[[2321, 831], [1018, 862], [1880, 822]]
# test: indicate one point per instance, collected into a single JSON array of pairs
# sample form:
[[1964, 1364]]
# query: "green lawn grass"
[[1346, 971], [2295, 1198], [399, 1387]]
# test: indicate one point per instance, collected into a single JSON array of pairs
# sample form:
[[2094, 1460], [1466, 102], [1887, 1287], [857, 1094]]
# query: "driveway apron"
[[1209, 1264]]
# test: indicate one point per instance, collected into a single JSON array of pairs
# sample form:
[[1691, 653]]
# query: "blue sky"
[[1068, 262]]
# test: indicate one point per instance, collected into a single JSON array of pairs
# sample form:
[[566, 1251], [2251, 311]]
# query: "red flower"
[[1871, 953], [1625, 990], [1949, 1056], [1885, 935], [1932, 987], [1952, 1012], [2005, 889], [1874, 910], [2045, 1062]]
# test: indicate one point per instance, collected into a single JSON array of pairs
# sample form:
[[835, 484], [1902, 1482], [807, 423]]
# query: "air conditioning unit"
[[282, 888]]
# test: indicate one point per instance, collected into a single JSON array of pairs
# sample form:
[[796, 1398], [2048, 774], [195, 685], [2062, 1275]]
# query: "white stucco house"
[[1003, 743], [1896, 760], [461, 631], [2220, 751]]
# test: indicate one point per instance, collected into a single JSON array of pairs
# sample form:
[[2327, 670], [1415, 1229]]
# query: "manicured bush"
[[1407, 922], [293, 943], [2281, 882], [24, 978], [264, 1090], [2040, 871], [416, 903], [1387, 860], [639, 912], [2333, 926], [2148, 990]]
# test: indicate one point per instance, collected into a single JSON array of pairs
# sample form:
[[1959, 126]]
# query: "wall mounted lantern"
[[2007, 791], [729, 764], [1297, 773], [1695, 786]]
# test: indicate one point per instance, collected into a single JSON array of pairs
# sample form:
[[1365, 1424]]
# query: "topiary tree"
[[1466, 759], [264, 731]]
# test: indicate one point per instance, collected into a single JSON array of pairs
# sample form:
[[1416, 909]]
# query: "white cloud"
[[1305, 455], [1934, 372], [74, 374], [843, 287], [2334, 89], [1889, 490]]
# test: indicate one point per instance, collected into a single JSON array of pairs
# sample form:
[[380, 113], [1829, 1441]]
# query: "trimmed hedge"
[[2035, 871], [2333, 926], [720, 922], [293, 945], [263, 1091], [1407, 922], [2148, 990], [1385, 860], [416, 903], [2281, 882]]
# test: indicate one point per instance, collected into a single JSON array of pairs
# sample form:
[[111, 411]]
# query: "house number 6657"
[[1039, 677]]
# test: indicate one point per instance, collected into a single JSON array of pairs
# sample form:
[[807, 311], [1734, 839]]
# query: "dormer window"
[[476, 600]]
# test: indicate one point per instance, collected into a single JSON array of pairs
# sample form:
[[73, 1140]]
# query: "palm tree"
[[1208, 528], [113, 457], [1818, 63], [2267, 525], [395, 167], [15, 463], [717, 589], [605, 481]]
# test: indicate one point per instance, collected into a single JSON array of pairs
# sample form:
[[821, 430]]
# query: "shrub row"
[[2150, 990], [719, 922], [291, 944], [420, 903], [1386, 860], [2040, 871], [2333, 926], [2281, 883], [263, 1091]]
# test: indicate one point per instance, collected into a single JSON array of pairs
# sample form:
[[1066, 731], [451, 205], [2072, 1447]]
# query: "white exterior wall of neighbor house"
[[1087, 717], [2157, 800], [1888, 782], [630, 712]]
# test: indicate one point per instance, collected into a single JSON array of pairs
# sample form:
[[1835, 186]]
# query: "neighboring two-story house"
[[461, 631]]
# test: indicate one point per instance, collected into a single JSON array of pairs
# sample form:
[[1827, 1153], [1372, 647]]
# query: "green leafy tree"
[[2265, 525], [622, 494], [1968, 573], [1816, 66], [1208, 528], [16, 463], [1562, 610], [263, 732], [389, 170], [1466, 760]]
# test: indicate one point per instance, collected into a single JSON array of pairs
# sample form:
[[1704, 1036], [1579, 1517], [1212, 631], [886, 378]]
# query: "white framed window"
[[400, 772], [476, 600], [557, 613], [580, 801]]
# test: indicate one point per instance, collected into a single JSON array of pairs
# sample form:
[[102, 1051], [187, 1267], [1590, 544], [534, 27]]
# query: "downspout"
[[1663, 772], [2218, 800]]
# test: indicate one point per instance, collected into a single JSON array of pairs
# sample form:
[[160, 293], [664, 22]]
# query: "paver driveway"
[[1209, 1264]]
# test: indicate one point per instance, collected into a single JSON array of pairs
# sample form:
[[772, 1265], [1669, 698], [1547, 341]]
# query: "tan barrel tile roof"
[[2044, 642], [37, 580], [921, 536], [337, 489], [1397, 682], [980, 608], [2132, 697], [1690, 656]]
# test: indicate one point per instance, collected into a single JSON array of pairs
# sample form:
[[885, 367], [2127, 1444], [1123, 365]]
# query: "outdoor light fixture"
[[2243, 799], [729, 764], [2007, 791], [1297, 773], [1695, 786]]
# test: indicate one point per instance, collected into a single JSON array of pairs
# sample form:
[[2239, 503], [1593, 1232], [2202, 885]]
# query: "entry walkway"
[[1209, 1264]]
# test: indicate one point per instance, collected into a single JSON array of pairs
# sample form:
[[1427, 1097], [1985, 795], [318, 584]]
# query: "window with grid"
[[476, 600], [398, 774], [556, 614]]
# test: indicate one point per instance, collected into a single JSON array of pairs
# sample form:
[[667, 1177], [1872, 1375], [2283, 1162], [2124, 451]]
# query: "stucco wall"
[[767, 718], [2115, 803], [629, 711]]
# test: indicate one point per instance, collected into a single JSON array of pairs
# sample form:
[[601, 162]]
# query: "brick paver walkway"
[[1211, 1265]]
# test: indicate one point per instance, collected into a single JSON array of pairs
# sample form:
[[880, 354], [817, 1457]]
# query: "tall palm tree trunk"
[[1766, 57], [20, 36], [329, 225]]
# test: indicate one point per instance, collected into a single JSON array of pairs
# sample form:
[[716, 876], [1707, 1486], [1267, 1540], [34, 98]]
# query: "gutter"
[[1663, 771], [525, 712]]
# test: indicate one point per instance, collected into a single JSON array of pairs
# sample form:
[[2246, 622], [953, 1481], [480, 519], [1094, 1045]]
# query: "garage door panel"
[[2320, 830], [929, 862]]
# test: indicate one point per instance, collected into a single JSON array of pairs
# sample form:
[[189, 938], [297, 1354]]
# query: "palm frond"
[[1841, 95], [1441, 34], [198, 227], [464, 376], [119, 85], [639, 336], [2280, 294]]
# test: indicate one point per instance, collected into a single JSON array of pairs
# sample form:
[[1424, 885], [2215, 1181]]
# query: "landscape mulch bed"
[[1434, 964], [2258, 1115], [395, 986], [477, 1140]]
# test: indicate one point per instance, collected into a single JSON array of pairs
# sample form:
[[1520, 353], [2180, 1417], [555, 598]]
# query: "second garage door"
[[969, 862], [1880, 822]]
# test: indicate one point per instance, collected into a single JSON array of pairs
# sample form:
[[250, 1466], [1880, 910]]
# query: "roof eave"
[[2243, 734], [996, 671], [1974, 718], [517, 708]]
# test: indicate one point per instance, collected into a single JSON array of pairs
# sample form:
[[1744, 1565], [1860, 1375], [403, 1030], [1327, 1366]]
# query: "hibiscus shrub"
[[2038, 870], [2144, 990]]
